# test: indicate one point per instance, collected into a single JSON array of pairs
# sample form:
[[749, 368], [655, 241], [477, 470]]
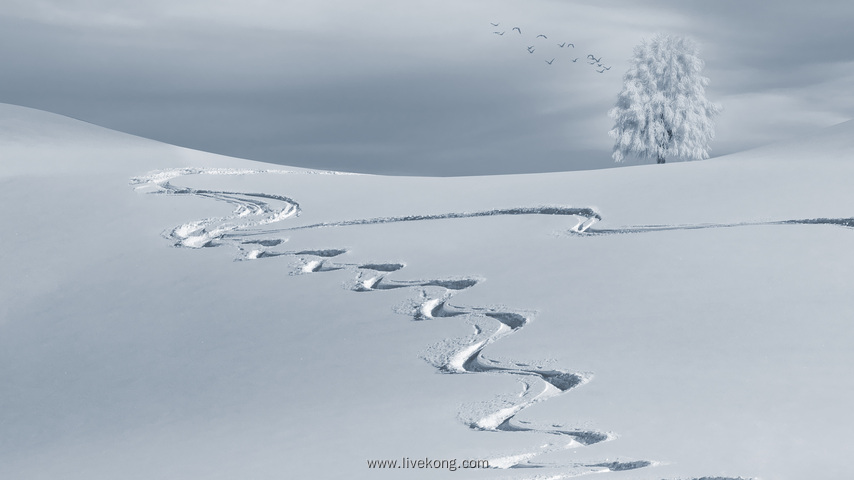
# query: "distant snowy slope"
[[39, 142], [168, 313], [831, 144]]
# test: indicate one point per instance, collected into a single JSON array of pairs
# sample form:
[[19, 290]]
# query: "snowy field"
[[172, 314]]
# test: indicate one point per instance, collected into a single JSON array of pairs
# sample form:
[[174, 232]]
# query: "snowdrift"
[[169, 313]]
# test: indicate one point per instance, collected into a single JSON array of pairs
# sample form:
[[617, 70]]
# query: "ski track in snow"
[[588, 214], [244, 230], [839, 222]]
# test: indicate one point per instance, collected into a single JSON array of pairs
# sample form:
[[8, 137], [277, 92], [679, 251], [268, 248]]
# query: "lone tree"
[[662, 110]]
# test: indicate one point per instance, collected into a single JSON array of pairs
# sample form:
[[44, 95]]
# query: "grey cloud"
[[374, 87]]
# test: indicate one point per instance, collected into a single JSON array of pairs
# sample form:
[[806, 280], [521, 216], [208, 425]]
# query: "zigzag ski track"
[[250, 230]]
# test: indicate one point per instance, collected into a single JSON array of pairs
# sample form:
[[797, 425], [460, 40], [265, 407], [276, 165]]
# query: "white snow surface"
[[173, 314]]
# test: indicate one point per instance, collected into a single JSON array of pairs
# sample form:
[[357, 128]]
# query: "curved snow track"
[[249, 230]]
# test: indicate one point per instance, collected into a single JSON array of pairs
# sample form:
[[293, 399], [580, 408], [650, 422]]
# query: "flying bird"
[[531, 49], [571, 45], [518, 30], [561, 45], [550, 61], [541, 35], [590, 56], [498, 33], [494, 24], [601, 71], [575, 60], [605, 68]]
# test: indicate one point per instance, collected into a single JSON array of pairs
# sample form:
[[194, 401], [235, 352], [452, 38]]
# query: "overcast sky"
[[417, 86]]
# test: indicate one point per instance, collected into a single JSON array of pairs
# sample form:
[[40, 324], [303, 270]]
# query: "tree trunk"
[[660, 159]]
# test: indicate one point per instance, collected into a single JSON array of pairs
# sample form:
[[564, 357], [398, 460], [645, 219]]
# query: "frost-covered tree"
[[662, 110]]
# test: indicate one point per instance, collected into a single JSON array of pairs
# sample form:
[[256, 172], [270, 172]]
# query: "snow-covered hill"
[[169, 313]]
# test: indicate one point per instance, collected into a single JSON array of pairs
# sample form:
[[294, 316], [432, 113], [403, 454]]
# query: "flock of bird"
[[591, 59]]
